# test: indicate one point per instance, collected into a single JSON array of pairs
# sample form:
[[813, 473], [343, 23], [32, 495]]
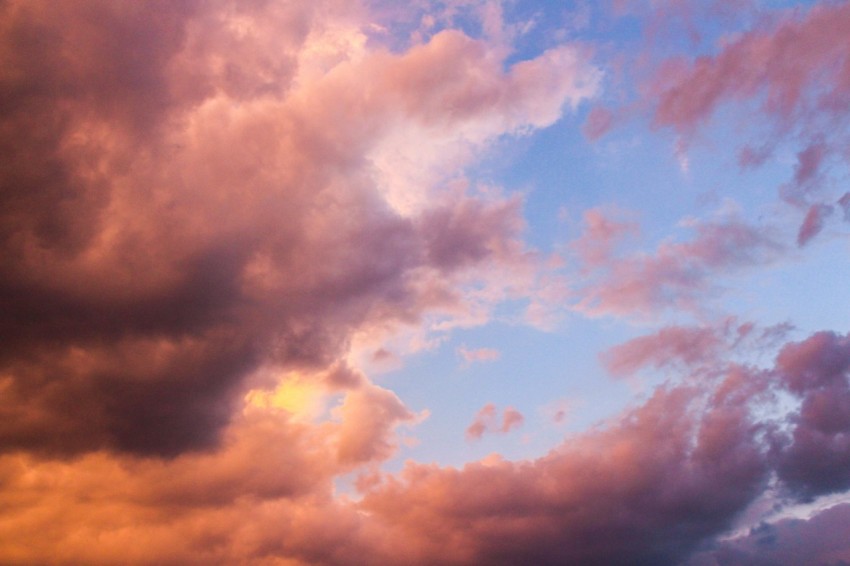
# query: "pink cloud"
[[691, 349], [813, 223], [676, 275], [470, 231], [369, 416], [750, 157], [182, 218], [781, 61], [646, 496], [820, 360], [482, 421], [599, 121], [527, 510], [196, 194], [794, 65], [478, 354], [600, 237], [511, 419], [809, 162], [815, 458], [664, 477], [448, 70], [688, 345], [486, 420]]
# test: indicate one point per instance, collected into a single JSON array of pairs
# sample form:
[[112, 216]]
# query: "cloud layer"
[[651, 487], [212, 212]]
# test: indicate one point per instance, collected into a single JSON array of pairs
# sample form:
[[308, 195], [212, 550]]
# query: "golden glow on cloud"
[[303, 399]]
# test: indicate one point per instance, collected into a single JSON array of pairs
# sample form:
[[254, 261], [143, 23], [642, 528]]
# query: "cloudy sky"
[[346, 282]]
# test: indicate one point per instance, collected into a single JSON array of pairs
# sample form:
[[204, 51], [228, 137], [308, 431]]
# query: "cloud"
[[782, 62], [487, 420], [815, 457], [652, 487], [844, 203], [791, 72], [691, 348], [201, 190], [482, 421], [655, 485], [511, 419], [599, 121], [606, 497], [690, 345], [211, 205], [677, 274], [478, 354], [819, 539], [600, 237], [471, 231], [813, 223], [107, 508], [369, 415]]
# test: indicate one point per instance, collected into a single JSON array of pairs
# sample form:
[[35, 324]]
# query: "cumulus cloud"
[[816, 458], [369, 415], [603, 498], [199, 189], [654, 485]]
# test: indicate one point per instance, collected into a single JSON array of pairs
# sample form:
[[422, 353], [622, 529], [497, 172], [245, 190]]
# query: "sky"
[[461, 282]]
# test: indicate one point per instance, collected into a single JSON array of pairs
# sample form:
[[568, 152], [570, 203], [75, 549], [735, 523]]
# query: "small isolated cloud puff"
[[486, 420], [478, 354]]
